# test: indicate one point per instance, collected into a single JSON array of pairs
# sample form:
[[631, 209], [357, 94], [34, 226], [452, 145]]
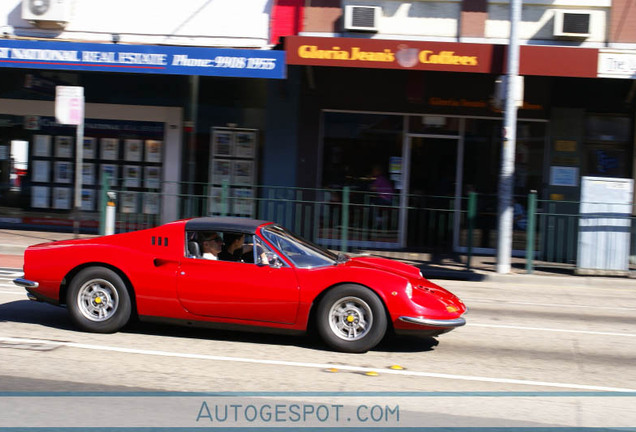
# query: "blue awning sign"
[[175, 60]]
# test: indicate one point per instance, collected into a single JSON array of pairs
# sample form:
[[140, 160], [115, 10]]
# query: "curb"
[[561, 281]]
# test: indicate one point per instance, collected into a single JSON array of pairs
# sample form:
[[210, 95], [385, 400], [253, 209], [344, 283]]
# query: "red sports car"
[[265, 277]]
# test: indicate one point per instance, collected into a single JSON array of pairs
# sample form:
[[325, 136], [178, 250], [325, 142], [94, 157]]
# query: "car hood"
[[385, 264]]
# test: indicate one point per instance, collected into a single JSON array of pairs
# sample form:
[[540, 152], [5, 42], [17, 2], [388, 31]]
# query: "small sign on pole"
[[69, 109], [69, 105]]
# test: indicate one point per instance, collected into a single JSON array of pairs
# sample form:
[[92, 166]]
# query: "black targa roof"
[[224, 224]]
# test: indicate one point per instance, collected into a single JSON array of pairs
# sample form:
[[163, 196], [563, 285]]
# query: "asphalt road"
[[527, 338]]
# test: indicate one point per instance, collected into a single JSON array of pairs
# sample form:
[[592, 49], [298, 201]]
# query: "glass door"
[[430, 198]]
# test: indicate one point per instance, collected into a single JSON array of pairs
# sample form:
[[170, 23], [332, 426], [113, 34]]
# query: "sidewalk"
[[483, 268], [14, 242]]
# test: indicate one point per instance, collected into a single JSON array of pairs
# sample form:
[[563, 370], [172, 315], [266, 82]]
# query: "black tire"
[[98, 301], [351, 318]]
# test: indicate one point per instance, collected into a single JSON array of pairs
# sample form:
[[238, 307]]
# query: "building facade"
[[157, 79], [337, 94], [411, 87]]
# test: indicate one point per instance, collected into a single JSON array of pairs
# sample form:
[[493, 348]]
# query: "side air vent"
[[571, 24], [159, 241], [362, 18]]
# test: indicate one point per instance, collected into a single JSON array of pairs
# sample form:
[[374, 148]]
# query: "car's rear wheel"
[[98, 300], [351, 318]]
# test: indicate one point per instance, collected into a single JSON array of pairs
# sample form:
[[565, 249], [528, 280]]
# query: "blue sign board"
[[172, 60]]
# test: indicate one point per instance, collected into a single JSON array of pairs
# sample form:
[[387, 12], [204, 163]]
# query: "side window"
[[193, 246], [236, 247], [265, 256], [203, 244]]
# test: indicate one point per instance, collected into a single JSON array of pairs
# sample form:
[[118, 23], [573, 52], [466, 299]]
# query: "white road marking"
[[471, 324], [16, 293], [10, 273], [569, 306], [313, 365]]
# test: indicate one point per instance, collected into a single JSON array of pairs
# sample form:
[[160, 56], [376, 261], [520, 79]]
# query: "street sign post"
[[69, 109]]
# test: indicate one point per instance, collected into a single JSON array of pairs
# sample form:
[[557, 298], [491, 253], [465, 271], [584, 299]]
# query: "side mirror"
[[273, 260], [270, 259]]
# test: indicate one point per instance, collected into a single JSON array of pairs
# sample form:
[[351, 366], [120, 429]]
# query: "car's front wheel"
[[351, 318], [98, 300]]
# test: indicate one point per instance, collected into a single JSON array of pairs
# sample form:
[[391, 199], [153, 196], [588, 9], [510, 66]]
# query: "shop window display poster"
[[111, 170], [88, 173], [151, 177], [244, 144], [40, 197], [233, 154], [564, 176], [243, 202], [63, 172], [132, 174], [151, 203], [63, 147], [132, 150], [221, 171], [109, 148], [88, 199], [242, 173], [128, 202], [216, 200], [41, 171], [222, 143], [42, 145], [61, 198], [88, 151], [153, 150]]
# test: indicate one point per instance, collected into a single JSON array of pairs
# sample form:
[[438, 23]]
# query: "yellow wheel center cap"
[[350, 318], [98, 300]]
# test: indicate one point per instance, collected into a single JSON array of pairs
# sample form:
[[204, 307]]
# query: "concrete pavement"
[[14, 242], [433, 266]]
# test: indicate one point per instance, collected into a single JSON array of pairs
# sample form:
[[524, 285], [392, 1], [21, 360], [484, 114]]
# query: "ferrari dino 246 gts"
[[275, 280]]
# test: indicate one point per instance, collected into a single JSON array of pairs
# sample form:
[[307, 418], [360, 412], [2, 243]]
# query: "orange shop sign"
[[389, 54]]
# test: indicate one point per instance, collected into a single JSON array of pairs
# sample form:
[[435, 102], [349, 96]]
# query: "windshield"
[[301, 252]]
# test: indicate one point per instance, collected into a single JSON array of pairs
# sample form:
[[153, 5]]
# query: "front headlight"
[[409, 290]]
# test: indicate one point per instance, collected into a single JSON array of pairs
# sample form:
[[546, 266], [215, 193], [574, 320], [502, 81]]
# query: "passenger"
[[211, 245], [233, 250]]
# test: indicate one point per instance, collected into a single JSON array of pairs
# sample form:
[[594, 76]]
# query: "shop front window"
[[482, 162], [364, 153], [356, 144], [607, 148], [38, 163]]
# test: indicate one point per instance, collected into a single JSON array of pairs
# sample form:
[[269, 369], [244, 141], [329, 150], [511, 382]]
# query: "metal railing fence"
[[346, 219]]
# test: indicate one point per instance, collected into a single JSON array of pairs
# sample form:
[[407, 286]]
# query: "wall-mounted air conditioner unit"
[[572, 24], [362, 18], [46, 13]]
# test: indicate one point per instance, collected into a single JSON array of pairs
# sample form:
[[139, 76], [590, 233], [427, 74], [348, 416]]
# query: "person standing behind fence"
[[382, 187]]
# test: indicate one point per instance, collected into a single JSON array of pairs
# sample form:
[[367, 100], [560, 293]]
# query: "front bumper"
[[447, 324], [32, 293], [26, 283]]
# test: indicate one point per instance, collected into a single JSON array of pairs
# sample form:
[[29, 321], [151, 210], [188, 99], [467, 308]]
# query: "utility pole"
[[191, 133], [507, 173]]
